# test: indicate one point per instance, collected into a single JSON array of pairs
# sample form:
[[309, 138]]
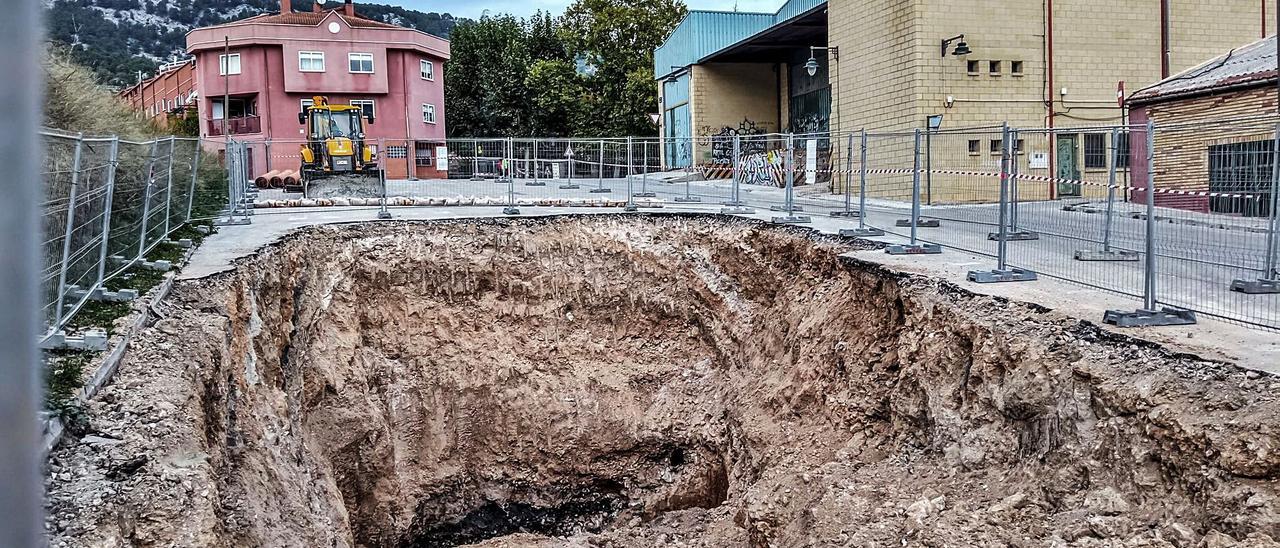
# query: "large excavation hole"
[[648, 381]]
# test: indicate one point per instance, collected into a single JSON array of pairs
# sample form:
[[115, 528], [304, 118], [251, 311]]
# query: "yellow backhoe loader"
[[337, 161]]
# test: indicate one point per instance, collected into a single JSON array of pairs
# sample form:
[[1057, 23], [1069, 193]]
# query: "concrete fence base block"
[[645, 195], [569, 187], [384, 215], [601, 190], [918, 249], [847, 214], [861, 232], [232, 221], [1101, 256], [1001, 276], [1149, 318], [510, 211], [923, 223], [203, 229], [688, 199], [1256, 287], [535, 183], [630, 208], [100, 294], [737, 211], [94, 340], [184, 243], [1014, 236], [784, 208], [793, 220], [158, 266]]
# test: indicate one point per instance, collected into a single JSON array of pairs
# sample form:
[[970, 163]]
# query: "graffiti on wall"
[[721, 141], [762, 168]]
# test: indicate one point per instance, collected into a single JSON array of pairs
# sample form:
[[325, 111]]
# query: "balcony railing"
[[237, 126]]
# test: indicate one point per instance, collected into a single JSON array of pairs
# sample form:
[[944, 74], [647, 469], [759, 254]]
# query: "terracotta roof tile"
[[311, 19]]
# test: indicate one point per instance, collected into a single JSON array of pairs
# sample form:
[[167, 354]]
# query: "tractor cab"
[[336, 143]]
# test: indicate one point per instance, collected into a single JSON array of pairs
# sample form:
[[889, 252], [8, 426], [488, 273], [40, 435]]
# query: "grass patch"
[[136, 278], [64, 377], [189, 232], [101, 314], [166, 251]]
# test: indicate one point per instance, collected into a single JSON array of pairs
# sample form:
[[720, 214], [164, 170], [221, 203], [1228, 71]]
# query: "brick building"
[[171, 92], [273, 64], [1215, 132], [1057, 63]]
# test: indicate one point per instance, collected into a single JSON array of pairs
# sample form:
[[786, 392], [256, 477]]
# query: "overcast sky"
[[473, 8]]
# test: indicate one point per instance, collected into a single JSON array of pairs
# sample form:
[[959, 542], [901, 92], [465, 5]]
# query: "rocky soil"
[[648, 381]]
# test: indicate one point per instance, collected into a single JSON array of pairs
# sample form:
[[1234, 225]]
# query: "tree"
[[485, 89], [616, 38]]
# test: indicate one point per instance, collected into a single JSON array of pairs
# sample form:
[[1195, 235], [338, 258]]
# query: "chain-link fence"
[[108, 203]]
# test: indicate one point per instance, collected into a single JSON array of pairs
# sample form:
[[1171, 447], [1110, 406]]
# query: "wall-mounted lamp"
[[962, 47], [949, 102], [811, 66], [676, 72]]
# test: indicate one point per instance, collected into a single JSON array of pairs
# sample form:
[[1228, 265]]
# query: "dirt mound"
[[648, 381]]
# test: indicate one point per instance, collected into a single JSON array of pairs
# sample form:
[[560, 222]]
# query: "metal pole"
[[791, 174], [848, 172], [384, 213], [146, 201], [106, 213], [600, 179], [915, 188], [1271, 272], [535, 161], [1149, 290], [1002, 242], [66, 238], [928, 165], [508, 159], [631, 202], [21, 516], [862, 183], [735, 191], [1111, 190], [195, 176], [644, 174], [168, 195]]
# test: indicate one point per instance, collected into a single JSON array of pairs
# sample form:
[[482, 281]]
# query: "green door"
[[1068, 166]]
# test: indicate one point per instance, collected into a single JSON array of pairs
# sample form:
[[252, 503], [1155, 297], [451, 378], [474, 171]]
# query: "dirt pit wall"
[[648, 381]]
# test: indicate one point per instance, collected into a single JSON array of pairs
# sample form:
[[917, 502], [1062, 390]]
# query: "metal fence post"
[[534, 164], [600, 189], [168, 196], [1148, 315], [1002, 273], [789, 200], [146, 200], [195, 176], [863, 230], [384, 212], [848, 186], [568, 154], [1269, 283], [59, 311], [915, 248], [106, 213], [644, 172], [688, 197], [631, 200], [735, 204], [1107, 253], [508, 153]]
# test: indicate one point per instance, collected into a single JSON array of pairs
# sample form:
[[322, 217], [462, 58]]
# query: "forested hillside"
[[118, 38]]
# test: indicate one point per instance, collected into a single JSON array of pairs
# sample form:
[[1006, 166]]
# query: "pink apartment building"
[[271, 65]]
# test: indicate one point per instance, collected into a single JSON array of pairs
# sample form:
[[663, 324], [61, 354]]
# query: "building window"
[[1122, 150], [1095, 151], [974, 67], [366, 106], [307, 103], [1018, 146], [397, 151], [311, 61], [1241, 168], [422, 155], [996, 146], [428, 70], [975, 147], [429, 113], [361, 63], [1015, 68], [228, 64], [994, 68]]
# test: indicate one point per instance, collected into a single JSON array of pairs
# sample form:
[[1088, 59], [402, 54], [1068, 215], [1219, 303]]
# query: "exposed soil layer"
[[648, 381]]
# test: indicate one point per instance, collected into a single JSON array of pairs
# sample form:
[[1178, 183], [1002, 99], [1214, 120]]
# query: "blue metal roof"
[[703, 33]]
